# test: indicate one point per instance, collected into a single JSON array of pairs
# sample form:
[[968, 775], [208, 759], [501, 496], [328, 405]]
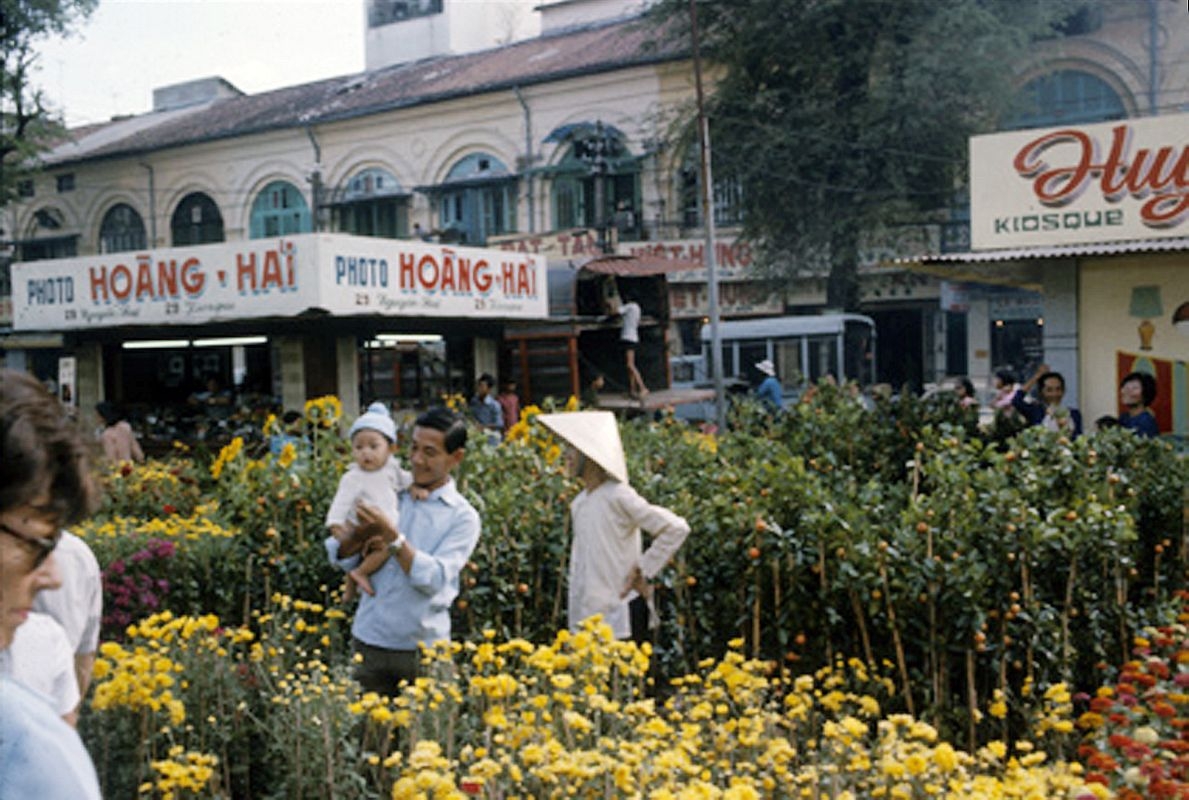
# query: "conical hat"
[[595, 434]]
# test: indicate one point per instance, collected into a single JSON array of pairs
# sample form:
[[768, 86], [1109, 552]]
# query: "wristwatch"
[[398, 544]]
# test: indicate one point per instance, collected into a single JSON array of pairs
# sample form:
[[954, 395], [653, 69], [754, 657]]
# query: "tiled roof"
[[592, 49]]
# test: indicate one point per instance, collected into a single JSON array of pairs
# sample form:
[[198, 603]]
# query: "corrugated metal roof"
[[1052, 251], [552, 57]]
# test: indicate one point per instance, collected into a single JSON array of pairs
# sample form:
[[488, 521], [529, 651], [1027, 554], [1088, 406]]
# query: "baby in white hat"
[[375, 478]]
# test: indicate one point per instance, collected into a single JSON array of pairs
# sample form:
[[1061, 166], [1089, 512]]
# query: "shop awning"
[[472, 182], [636, 266], [1022, 267]]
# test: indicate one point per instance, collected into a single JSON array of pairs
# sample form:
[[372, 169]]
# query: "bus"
[[804, 349]]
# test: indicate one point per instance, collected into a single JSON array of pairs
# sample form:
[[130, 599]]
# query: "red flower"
[[1118, 741], [1101, 705], [1164, 709], [1103, 762], [169, 508]]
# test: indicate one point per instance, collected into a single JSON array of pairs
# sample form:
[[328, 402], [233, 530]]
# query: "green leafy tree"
[[844, 117], [26, 124]]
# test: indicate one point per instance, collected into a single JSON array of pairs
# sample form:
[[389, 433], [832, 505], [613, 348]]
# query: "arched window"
[[1062, 98], [196, 220], [728, 193], [477, 200], [278, 210], [372, 203], [46, 237], [122, 230], [595, 152]]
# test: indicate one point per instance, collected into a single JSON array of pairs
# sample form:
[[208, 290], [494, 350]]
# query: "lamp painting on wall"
[[1145, 304]]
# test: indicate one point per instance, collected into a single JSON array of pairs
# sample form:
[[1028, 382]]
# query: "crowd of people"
[[1039, 400]]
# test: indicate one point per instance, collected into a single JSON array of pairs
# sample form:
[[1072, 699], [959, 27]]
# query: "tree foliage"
[[26, 124], [842, 117]]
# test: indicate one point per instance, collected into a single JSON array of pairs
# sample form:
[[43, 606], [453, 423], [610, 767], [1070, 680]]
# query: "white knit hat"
[[595, 434], [376, 418], [767, 367]]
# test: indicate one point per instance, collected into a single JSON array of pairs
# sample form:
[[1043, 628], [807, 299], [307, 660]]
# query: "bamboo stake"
[[776, 590], [1026, 580], [971, 699], [248, 594], [857, 607], [1003, 668], [901, 661], [934, 659], [755, 616], [821, 561], [1066, 645], [328, 753], [565, 559]]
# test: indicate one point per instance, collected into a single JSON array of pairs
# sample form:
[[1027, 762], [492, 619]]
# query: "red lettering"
[[1163, 173], [289, 269], [427, 272], [272, 271], [464, 274], [193, 278], [1056, 187], [245, 268], [408, 266], [1166, 210], [447, 272], [121, 282], [98, 278], [167, 277], [482, 277], [144, 279]]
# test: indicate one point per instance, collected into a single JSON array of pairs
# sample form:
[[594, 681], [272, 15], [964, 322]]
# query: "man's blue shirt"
[[487, 412], [769, 391], [415, 608]]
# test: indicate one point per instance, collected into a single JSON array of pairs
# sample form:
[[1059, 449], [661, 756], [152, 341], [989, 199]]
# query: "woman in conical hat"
[[610, 572]]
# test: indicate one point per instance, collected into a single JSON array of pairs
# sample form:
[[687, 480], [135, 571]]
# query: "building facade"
[[553, 118]]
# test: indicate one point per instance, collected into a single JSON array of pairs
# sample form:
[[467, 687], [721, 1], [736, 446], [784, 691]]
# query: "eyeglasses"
[[44, 546]]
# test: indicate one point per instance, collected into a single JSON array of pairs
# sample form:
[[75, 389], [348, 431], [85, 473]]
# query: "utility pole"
[[597, 150], [720, 400]]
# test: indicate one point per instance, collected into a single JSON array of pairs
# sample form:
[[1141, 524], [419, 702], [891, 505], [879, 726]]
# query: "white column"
[[346, 356], [1060, 290], [293, 372]]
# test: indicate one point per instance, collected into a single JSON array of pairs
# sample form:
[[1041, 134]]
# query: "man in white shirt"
[[629, 338], [41, 658], [610, 572], [77, 604]]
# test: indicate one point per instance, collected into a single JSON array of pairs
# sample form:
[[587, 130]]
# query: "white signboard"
[[360, 275], [277, 277], [1082, 183]]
